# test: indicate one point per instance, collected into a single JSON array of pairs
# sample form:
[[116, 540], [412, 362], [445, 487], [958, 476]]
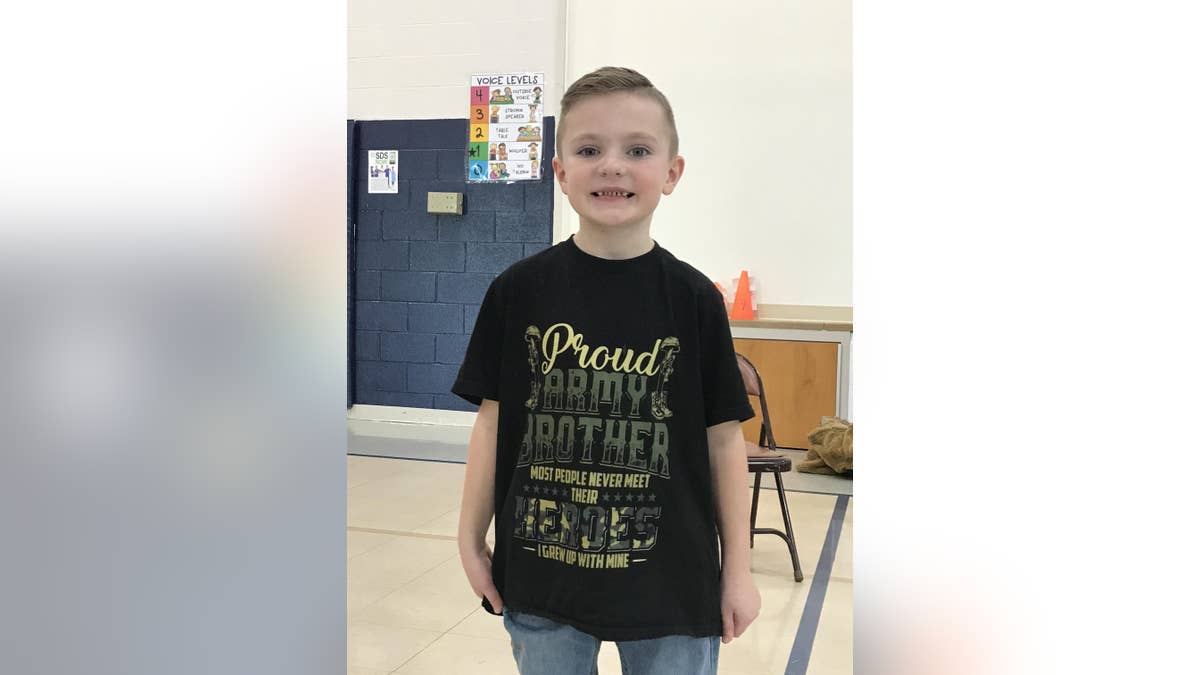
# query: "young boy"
[[608, 443]]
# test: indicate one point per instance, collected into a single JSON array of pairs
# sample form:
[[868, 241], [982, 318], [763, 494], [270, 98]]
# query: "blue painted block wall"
[[419, 277]]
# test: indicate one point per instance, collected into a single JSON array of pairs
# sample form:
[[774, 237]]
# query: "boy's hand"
[[740, 603], [477, 563]]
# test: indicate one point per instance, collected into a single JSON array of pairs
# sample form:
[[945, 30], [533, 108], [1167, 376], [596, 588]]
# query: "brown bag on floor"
[[830, 448]]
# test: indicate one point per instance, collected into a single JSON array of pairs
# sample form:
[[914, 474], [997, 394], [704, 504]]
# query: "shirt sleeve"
[[724, 392], [479, 376]]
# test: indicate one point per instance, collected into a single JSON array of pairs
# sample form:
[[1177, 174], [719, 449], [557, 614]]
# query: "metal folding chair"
[[764, 457]]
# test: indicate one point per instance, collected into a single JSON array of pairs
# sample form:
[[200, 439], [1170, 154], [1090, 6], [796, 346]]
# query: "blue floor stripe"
[[411, 459], [817, 492], [807, 631]]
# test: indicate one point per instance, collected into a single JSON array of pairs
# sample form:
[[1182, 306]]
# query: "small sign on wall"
[[505, 131], [381, 171]]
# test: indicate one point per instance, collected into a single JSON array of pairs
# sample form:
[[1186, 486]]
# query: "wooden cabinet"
[[800, 382]]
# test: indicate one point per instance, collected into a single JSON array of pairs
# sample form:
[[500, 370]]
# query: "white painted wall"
[[762, 98], [761, 92], [412, 59]]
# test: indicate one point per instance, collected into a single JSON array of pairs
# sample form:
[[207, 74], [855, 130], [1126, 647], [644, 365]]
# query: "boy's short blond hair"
[[611, 80]]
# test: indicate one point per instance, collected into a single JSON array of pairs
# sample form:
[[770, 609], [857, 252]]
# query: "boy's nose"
[[609, 166]]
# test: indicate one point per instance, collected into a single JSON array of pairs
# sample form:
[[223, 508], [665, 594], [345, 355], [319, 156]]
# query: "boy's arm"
[[478, 506], [740, 601]]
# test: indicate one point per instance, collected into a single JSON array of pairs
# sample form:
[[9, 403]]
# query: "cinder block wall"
[[419, 278]]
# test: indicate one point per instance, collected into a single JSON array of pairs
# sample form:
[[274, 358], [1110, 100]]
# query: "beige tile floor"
[[411, 611]]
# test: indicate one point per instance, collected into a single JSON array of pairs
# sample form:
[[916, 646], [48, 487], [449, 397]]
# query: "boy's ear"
[[674, 173], [558, 172]]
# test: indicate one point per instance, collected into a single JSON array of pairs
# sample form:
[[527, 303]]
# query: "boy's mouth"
[[612, 194]]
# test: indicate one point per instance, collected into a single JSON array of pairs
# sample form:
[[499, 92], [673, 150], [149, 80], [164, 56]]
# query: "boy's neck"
[[614, 243]]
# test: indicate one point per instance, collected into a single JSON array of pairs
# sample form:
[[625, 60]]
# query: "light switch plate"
[[446, 202]]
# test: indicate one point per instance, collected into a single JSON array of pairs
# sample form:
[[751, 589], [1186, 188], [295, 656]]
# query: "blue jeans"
[[545, 647]]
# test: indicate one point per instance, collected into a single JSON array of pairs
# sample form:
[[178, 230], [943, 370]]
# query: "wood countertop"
[[804, 317]]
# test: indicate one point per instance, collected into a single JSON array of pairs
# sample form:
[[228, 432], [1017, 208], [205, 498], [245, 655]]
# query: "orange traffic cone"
[[742, 310]]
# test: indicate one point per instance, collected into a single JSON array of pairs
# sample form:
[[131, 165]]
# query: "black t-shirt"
[[608, 373]]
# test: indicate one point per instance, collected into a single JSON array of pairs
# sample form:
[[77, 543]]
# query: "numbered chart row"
[[523, 95], [505, 114], [502, 152], [505, 133], [514, 170]]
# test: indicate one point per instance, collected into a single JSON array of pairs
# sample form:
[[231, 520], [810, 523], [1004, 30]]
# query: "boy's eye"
[[588, 152], [639, 151]]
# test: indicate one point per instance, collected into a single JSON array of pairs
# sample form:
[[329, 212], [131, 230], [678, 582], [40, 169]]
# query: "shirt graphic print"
[[595, 444]]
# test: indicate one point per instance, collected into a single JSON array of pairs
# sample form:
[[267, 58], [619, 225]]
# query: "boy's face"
[[615, 162]]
